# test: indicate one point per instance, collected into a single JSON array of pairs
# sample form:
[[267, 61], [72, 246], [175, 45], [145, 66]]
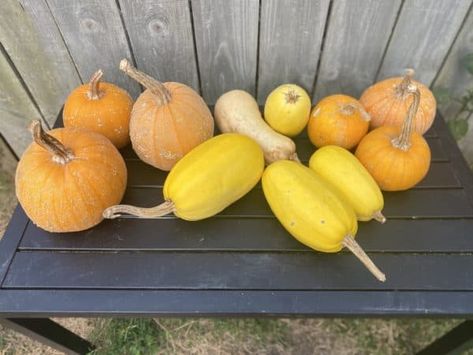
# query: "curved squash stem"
[[403, 142], [157, 88], [60, 153], [378, 216], [401, 89], [153, 212], [355, 248], [94, 92]]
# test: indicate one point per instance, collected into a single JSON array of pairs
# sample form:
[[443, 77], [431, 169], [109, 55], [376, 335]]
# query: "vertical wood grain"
[[357, 36], [453, 76], [33, 42], [16, 108], [226, 33], [161, 38], [290, 40], [422, 37], [95, 36]]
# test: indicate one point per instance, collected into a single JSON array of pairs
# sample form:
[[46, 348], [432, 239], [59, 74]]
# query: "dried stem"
[[291, 96], [153, 212], [94, 92], [61, 154], [157, 88], [401, 89], [378, 216], [403, 142], [355, 248]]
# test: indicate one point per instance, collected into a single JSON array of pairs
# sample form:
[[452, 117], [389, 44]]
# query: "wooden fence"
[[327, 46]]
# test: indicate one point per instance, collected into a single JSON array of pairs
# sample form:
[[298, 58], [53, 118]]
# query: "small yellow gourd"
[[312, 211], [287, 109], [208, 179], [343, 171]]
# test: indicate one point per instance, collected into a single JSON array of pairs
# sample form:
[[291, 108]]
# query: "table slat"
[[229, 270], [438, 235]]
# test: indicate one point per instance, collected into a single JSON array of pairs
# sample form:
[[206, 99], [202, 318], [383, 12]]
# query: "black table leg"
[[455, 341], [50, 333]]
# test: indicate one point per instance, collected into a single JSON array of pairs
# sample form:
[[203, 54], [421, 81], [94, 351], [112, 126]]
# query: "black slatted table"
[[243, 263]]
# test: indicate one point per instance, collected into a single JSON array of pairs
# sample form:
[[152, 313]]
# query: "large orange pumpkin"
[[100, 107], [338, 120], [67, 177], [396, 157], [388, 101], [167, 120]]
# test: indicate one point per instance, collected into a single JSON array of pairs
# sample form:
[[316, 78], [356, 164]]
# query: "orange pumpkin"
[[388, 101], [397, 157], [338, 120], [67, 177], [100, 107], [167, 120]]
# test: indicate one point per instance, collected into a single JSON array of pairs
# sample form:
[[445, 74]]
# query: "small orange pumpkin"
[[67, 177], [100, 107], [397, 157], [167, 120], [338, 120], [388, 101]]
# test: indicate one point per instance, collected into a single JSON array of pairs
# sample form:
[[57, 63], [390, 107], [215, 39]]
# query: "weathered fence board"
[[94, 34], [16, 108], [357, 36], [226, 34], [422, 37], [290, 38], [453, 77], [34, 44], [161, 35]]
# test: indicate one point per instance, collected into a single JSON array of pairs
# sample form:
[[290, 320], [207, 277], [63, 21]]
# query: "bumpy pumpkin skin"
[[109, 115], [72, 196], [338, 120], [161, 135], [392, 168], [388, 108], [214, 175]]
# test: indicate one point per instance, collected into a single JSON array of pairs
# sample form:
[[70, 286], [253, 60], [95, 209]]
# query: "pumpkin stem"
[[153, 212], [378, 216], [401, 89], [403, 142], [157, 88], [94, 92], [61, 154], [355, 248]]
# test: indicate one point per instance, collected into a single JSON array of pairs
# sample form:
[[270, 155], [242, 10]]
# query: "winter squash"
[[67, 177], [312, 211], [100, 107], [236, 111], [388, 101], [287, 109], [348, 176], [208, 179], [397, 157], [167, 120], [338, 120]]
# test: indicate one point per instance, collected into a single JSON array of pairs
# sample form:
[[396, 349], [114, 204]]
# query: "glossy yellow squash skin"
[[214, 175], [343, 171], [307, 206]]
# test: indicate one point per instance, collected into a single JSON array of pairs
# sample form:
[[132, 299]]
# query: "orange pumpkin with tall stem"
[[167, 120], [67, 177], [397, 157], [388, 100], [100, 107]]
